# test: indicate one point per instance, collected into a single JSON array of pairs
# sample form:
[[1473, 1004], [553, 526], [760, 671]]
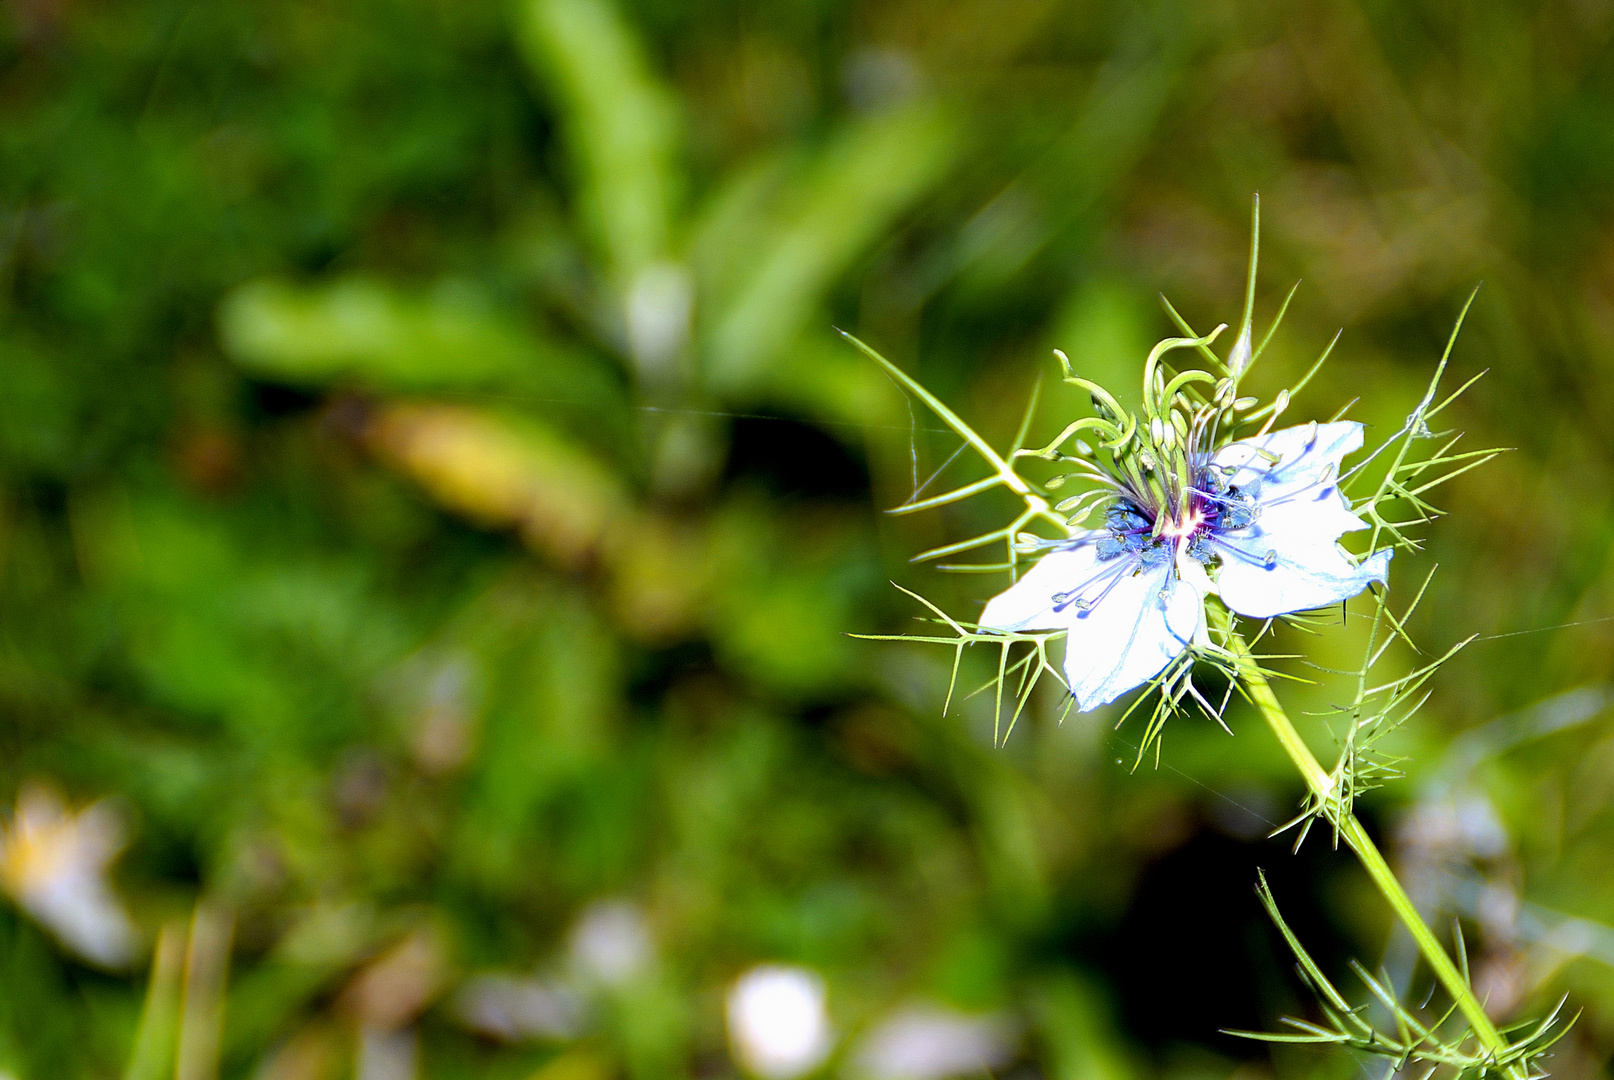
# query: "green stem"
[[1356, 838]]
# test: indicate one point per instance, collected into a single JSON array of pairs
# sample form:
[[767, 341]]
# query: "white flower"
[[1266, 513], [611, 944], [513, 1008], [778, 1024], [930, 1043], [53, 862]]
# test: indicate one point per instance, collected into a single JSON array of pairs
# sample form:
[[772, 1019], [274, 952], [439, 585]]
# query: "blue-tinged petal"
[[1289, 461], [1318, 511], [1143, 624], [1029, 603], [1287, 558], [1275, 573], [1139, 619]]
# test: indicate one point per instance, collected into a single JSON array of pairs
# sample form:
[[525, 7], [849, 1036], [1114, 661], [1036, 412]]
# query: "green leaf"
[[783, 592], [390, 339], [547, 727], [841, 390], [868, 175], [1076, 1022], [619, 120], [1058, 199]]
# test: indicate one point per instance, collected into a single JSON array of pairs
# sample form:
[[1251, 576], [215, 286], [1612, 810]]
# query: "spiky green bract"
[[1375, 710], [1028, 669], [1412, 473], [1455, 1051]]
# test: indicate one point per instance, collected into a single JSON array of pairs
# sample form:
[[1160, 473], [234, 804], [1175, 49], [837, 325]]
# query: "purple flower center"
[[1153, 534]]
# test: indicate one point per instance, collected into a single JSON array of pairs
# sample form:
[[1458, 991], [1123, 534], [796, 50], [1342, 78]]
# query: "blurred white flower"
[[778, 1024], [929, 1043], [1453, 826], [611, 943], [516, 1009], [53, 863], [659, 305]]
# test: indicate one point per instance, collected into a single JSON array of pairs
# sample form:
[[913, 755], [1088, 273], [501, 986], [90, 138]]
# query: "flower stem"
[[1350, 830]]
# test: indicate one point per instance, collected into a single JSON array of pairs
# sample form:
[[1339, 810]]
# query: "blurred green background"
[[433, 500]]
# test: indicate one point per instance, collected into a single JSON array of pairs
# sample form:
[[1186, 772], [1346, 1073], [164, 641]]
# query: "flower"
[[514, 1008], [927, 1042], [611, 944], [778, 1022], [1264, 515], [54, 863]]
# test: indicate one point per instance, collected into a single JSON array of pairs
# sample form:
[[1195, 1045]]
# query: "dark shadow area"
[[792, 458], [1195, 952]]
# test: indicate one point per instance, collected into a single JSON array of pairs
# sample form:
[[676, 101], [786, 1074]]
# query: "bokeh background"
[[433, 503]]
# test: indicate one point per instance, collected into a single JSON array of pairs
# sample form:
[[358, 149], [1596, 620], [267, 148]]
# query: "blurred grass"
[[432, 502]]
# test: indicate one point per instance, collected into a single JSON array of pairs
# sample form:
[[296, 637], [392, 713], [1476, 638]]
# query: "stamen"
[[1085, 605], [1214, 497], [1061, 600], [1267, 560]]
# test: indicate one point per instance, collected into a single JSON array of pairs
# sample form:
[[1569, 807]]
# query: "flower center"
[[1153, 534], [1188, 523]]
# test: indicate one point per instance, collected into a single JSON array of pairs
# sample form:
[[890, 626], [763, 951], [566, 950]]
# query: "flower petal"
[[1287, 559], [1286, 462], [1140, 620], [1276, 574], [1029, 603]]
